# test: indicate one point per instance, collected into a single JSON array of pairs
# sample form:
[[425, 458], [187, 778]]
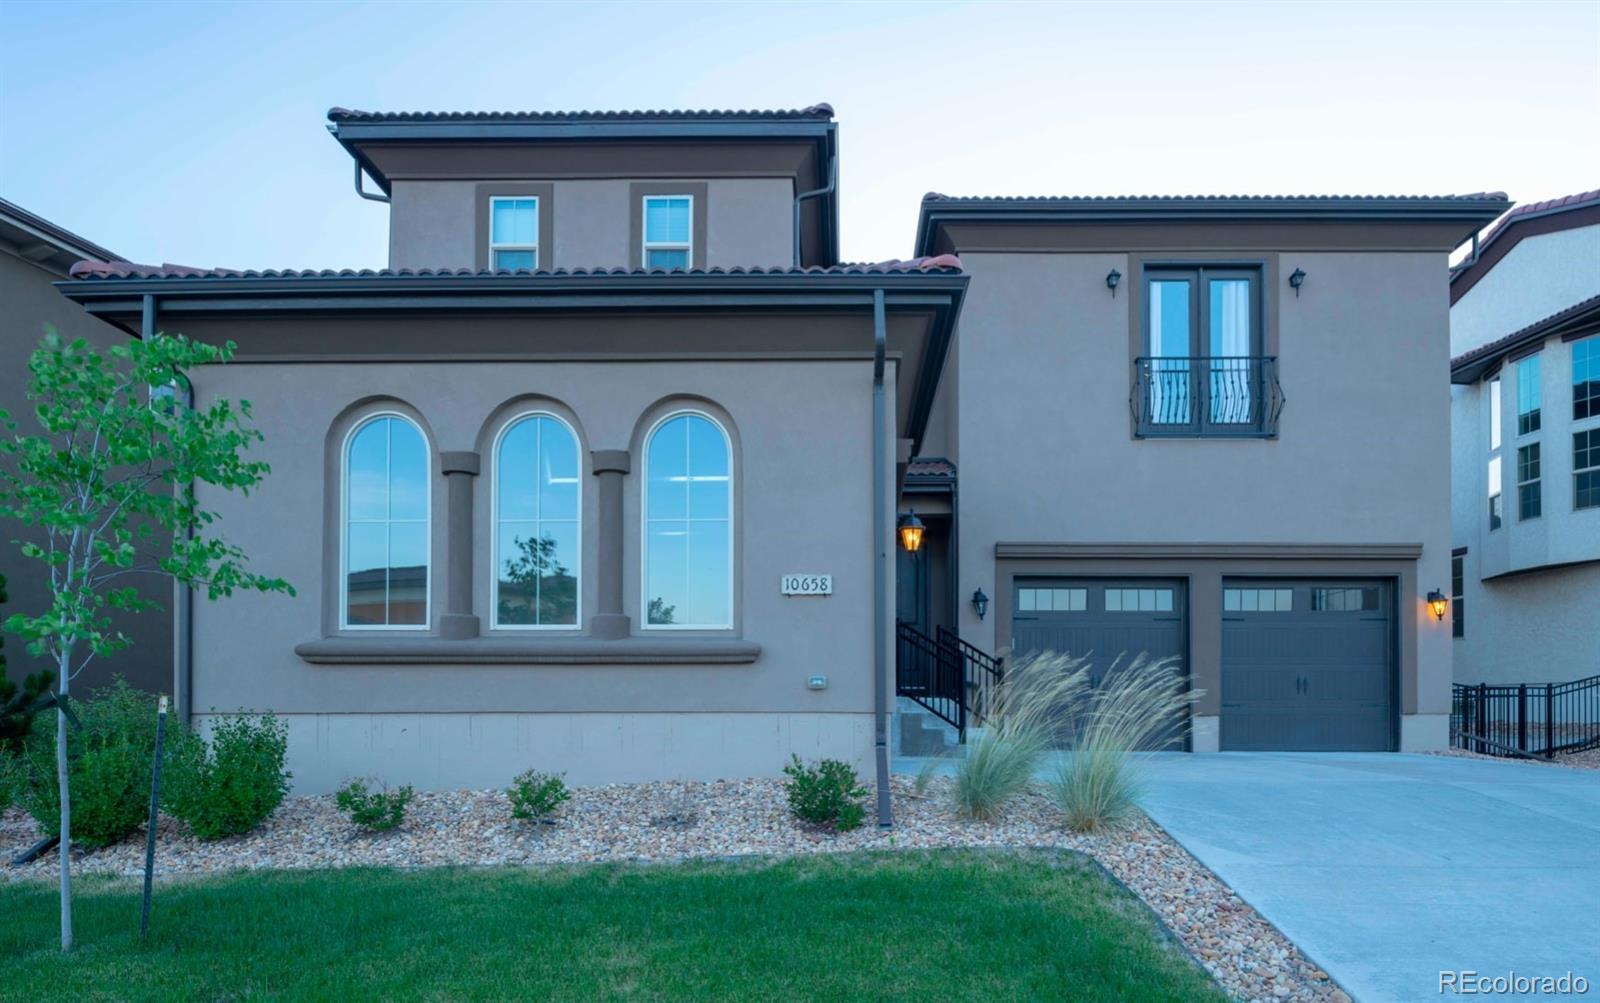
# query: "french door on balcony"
[[1203, 372]]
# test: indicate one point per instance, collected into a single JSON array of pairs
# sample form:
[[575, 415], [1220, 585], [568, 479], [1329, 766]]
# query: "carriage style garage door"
[[1307, 665], [1104, 620]]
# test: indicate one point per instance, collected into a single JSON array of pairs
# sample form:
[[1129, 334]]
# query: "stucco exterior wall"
[[28, 302], [1542, 275], [749, 223], [1529, 628], [803, 504], [1362, 454]]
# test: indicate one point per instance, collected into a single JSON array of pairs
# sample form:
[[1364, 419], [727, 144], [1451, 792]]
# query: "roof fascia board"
[[522, 132]]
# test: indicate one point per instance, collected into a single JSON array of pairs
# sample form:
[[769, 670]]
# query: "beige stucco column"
[[459, 468], [609, 466]]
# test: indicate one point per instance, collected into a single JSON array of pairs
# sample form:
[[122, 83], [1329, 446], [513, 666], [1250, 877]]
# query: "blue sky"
[[193, 132]]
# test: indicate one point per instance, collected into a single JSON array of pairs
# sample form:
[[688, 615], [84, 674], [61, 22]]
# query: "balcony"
[[1206, 397]]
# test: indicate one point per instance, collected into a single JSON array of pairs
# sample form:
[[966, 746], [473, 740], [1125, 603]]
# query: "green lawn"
[[917, 926]]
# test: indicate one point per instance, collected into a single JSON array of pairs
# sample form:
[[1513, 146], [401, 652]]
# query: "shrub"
[[10, 779], [827, 794], [535, 796], [108, 764], [1025, 710], [1136, 705], [374, 810], [228, 785]]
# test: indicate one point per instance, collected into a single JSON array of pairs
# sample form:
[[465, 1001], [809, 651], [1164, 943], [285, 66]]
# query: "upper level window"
[[1203, 372], [1530, 500], [514, 233], [1586, 469], [688, 524], [1528, 413], [385, 553], [536, 518], [668, 231], [1586, 378], [1494, 413]]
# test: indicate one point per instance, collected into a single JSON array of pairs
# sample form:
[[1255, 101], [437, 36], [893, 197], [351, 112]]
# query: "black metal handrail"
[[980, 674], [925, 673], [1212, 396], [1528, 720], [945, 675]]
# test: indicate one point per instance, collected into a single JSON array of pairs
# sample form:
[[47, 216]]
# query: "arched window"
[[536, 519], [688, 524], [385, 558]]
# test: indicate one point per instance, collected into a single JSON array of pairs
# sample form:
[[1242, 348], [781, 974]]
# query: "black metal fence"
[[1206, 396], [1537, 720], [952, 679]]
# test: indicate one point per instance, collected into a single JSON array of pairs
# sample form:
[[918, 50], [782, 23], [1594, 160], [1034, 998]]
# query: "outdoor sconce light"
[[911, 533], [1297, 278], [1438, 604], [980, 602], [1112, 278]]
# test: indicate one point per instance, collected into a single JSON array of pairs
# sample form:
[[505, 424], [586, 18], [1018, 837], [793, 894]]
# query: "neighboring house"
[[34, 253], [560, 489], [1525, 333], [1213, 429]]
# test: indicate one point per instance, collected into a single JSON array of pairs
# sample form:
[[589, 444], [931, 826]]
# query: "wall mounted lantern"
[[1438, 604], [980, 603], [1112, 278], [911, 532], [1297, 278]]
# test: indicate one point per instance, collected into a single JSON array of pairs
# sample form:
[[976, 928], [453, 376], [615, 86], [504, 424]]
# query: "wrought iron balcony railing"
[[1216, 396]]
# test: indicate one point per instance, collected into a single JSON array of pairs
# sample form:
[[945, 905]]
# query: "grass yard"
[[916, 926]]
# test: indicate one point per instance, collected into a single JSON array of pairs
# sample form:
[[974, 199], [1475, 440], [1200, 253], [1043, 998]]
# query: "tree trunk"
[[64, 848]]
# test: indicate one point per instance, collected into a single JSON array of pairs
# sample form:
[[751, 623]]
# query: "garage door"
[[1102, 620], [1307, 665]]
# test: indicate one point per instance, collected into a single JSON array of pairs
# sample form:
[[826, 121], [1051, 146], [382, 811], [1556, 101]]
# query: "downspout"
[[380, 197], [827, 189], [880, 565], [183, 616]]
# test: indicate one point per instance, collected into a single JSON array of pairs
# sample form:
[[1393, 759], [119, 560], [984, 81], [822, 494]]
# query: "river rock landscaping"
[[663, 822]]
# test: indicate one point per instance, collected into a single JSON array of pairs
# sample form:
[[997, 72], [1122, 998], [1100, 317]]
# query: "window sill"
[[529, 651]]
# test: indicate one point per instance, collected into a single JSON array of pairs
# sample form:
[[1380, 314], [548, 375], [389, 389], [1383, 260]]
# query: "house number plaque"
[[807, 585]]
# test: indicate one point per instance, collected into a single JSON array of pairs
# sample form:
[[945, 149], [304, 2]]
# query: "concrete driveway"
[[1388, 869]]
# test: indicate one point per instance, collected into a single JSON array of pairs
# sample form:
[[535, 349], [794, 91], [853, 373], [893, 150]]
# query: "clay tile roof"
[[1574, 319], [92, 270], [1091, 199], [1506, 232], [818, 112], [930, 466]]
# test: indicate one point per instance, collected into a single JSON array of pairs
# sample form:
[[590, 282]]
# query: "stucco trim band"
[[1251, 551], [529, 651]]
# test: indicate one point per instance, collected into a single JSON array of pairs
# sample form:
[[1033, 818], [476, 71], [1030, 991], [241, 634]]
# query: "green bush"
[[228, 785], [108, 764], [374, 810], [535, 796], [10, 779], [827, 794]]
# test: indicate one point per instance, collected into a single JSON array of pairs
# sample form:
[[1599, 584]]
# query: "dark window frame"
[[1586, 469], [1586, 395], [1529, 468], [1198, 372], [1458, 582]]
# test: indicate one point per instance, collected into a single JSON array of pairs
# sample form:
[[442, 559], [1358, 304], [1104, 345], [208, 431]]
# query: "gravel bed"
[[676, 821], [1589, 759]]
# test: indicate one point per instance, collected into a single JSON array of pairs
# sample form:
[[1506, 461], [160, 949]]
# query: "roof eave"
[[1578, 320]]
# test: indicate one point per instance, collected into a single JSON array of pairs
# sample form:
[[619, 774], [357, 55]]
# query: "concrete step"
[[920, 733]]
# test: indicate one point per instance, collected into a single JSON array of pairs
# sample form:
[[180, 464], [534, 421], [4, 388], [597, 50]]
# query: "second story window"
[[1203, 372], [1586, 469], [1528, 412], [1530, 500], [1586, 378], [514, 233], [668, 231], [1496, 512]]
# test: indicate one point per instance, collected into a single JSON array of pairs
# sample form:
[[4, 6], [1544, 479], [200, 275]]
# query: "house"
[[1214, 429], [34, 253], [597, 477], [1525, 411], [603, 473]]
